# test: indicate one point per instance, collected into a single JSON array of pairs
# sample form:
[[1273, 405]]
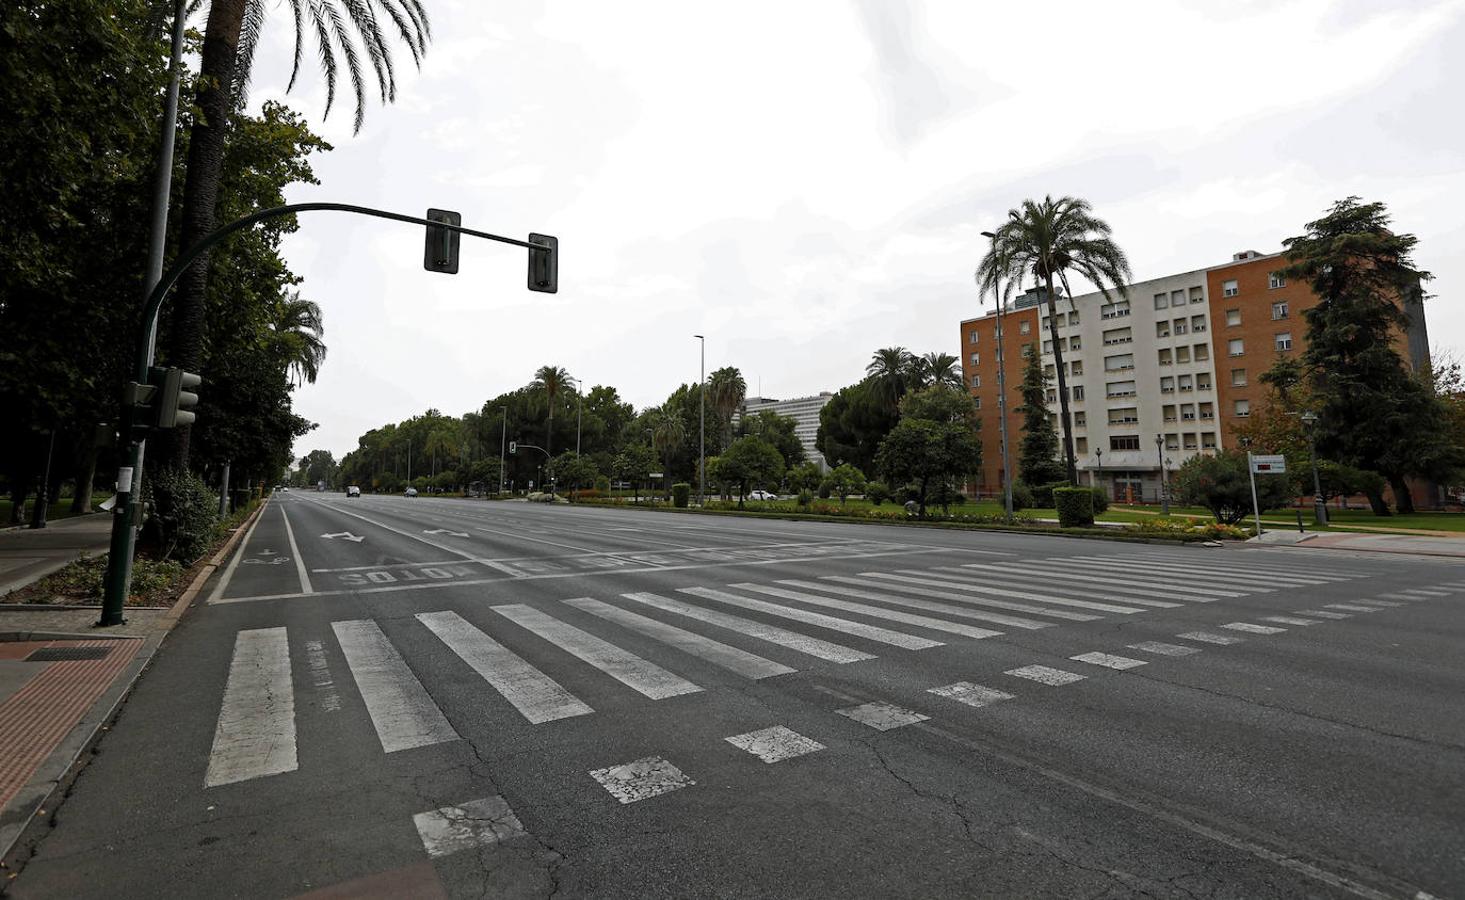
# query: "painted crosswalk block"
[[775, 744], [1249, 628], [881, 716], [1164, 649], [650, 776], [1325, 614], [477, 823], [740, 661], [1210, 637], [1108, 660], [1381, 604], [401, 710], [971, 694], [256, 731], [1352, 607], [1045, 675], [1290, 620]]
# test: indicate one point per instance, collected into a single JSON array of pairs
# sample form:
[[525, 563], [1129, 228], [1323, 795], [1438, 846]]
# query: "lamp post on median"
[[1002, 396], [702, 426], [1164, 494], [503, 443], [1319, 506]]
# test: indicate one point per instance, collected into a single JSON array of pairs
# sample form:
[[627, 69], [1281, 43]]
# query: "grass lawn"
[[58, 510]]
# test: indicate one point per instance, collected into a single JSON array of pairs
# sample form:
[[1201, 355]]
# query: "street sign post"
[[1266, 464]]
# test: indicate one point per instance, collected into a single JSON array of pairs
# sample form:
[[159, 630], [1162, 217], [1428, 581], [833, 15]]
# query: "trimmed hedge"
[[1101, 499], [1075, 506], [1043, 494], [680, 493]]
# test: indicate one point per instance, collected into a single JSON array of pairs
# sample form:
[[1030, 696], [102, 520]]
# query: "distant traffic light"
[[513, 446], [440, 254], [544, 265], [174, 401]]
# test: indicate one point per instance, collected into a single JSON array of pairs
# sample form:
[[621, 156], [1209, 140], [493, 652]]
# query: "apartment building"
[[803, 410], [1154, 377]]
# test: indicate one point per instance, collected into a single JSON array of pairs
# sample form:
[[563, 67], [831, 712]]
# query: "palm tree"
[[939, 369], [1047, 240], [550, 380], [667, 433], [726, 391], [891, 370], [342, 30], [298, 328]]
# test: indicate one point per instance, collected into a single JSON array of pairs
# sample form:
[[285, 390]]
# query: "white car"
[[410, 492], [353, 491], [762, 495]]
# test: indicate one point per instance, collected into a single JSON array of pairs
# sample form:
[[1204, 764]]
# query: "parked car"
[[410, 492], [762, 495], [353, 491]]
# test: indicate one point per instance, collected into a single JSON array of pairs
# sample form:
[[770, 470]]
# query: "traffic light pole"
[[118, 581]]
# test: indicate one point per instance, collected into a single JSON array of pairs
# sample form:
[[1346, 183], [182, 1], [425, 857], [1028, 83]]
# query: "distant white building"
[[803, 410]]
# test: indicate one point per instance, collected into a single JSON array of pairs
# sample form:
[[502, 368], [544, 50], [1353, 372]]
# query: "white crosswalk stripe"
[[775, 744], [912, 576], [1181, 581], [1253, 629], [535, 695], [1324, 614], [255, 735], [1425, 592], [1290, 620], [1045, 675], [627, 668], [1019, 581], [803, 643], [1108, 660], [980, 615], [971, 694], [1207, 637], [1150, 587], [1381, 604], [833, 623], [1252, 564], [401, 710], [1190, 569], [876, 612], [1163, 649], [728, 657], [1352, 607], [477, 823], [897, 583], [1052, 580], [882, 716]]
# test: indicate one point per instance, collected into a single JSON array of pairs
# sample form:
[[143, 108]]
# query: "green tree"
[[1037, 455], [1222, 484], [299, 329], [780, 431], [847, 480], [853, 423], [317, 466], [749, 461], [550, 382], [634, 464], [1374, 413], [937, 368], [668, 432], [804, 477], [573, 471], [891, 371], [1048, 240], [924, 452], [726, 391]]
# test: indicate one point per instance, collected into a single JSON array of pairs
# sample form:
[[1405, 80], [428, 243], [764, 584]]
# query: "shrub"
[[1222, 484], [1022, 496], [680, 492], [1043, 494], [602, 484], [826, 487], [1101, 499], [1075, 506], [805, 498], [876, 492], [184, 520]]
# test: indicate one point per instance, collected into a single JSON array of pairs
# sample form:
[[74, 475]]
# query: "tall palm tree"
[[298, 329], [551, 381], [1048, 240], [940, 369], [667, 433], [726, 391], [891, 370], [342, 30]]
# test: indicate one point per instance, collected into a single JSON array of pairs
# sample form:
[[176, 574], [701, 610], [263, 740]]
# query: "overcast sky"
[[804, 182]]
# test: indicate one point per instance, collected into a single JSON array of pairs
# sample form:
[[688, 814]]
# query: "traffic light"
[[513, 447], [441, 251], [174, 401], [137, 409], [544, 265]]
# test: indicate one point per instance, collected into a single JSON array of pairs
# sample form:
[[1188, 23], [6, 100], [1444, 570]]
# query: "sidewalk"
[[1417, 545], [27, 555]]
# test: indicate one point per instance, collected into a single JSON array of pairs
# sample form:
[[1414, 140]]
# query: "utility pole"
[[503, 437], [579, 408], [702, 426], [1164, 494], [1002, 394], [1319, 505]]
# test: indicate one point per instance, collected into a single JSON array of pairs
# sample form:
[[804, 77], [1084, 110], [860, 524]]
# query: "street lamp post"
[[1099, 468], [579, 408], [1319, 506], [503, 442], [1002, 396], [702, 426], [1164, 494]]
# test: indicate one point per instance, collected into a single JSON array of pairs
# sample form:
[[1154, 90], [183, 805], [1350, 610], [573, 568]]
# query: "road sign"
[[1275, 464], [656, 475]]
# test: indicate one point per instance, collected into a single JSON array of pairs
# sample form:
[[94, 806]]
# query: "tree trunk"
[[18, 493], [1063, 416], [86, 473], [1376, 502], [1403, 500], [201, 191]]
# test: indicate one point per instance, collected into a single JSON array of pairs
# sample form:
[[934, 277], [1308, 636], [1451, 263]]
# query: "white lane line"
[[876, 612], [1163, 649], [1007, 573], [1189, 584], [256, 731], [911, 576], [1426, 592], [734, 659], [1045, 675], [793, 640], [639, 779], [959, 575], [1150, 588], [775, 744], [1015, 621], [893, 599], [1290, 620], [1324, 614], [477, 823], [1351, 607], [971, 694], [401, 710], [1253, 629], [833, 623], [627, 668], [1204, 573], [305, 587], [1381, 604], [1108, 660], [234, 563], [320, 676], [882, 716], [534, 694], [1208, 637]]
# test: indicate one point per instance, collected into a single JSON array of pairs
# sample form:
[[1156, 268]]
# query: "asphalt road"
[[398, 698]]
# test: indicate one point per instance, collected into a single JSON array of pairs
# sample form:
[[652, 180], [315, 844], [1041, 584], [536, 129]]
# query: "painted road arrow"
[[345, 536], [445, 531]]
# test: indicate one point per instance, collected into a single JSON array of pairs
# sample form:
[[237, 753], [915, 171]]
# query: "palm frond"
[[325, 50], [363, 18], [406, 29], [298, 8], [254, 20], [353, 63]]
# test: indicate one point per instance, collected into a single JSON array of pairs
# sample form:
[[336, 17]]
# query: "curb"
[[61, 768]]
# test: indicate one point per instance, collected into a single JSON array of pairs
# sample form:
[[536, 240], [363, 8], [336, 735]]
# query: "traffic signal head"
[[441, 251], [174, 401], [513, 447], [544, 265]]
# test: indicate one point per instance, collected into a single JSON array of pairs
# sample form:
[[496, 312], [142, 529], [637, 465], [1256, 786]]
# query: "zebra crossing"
[[822, 620]]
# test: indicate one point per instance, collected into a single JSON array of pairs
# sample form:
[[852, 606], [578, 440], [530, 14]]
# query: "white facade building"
[[803, 410]]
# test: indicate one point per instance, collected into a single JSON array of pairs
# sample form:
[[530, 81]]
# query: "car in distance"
[[410, 492], [762, 495], [353, 491]]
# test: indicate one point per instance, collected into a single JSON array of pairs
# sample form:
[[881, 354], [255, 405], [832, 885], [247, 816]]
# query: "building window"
[[1235, 347], [1202, 352], [1114, 310], [1243, 407], [1080, 419], [1168, 413], [1284, 340], [1047, 347], [1228, 288], [1207, 411], [1081, 445], [1190, 441], [976, 403], [1077, 391], [1076, 367], [1124, 442], [1197, 295], [1197, 323], [1203, 381], [1238, 377], [1119, 336], [1027, 349], [1024, 327], [1172, 442], [1049, 372], [1074, 343], [1119, 363], [976, 381], [1162, 301], [1279, 309], [1128, 415], [1166, 356], [1073, 317], [1208, 440], [1182, 354], [1233, 317], [1167, 384], [1179, 326], [1177, 298], [972, 338], [976, 358], [1275, 280], [1162, 329], [1187, 412], [1052, 395], [1119, 389], [1187, 383]]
